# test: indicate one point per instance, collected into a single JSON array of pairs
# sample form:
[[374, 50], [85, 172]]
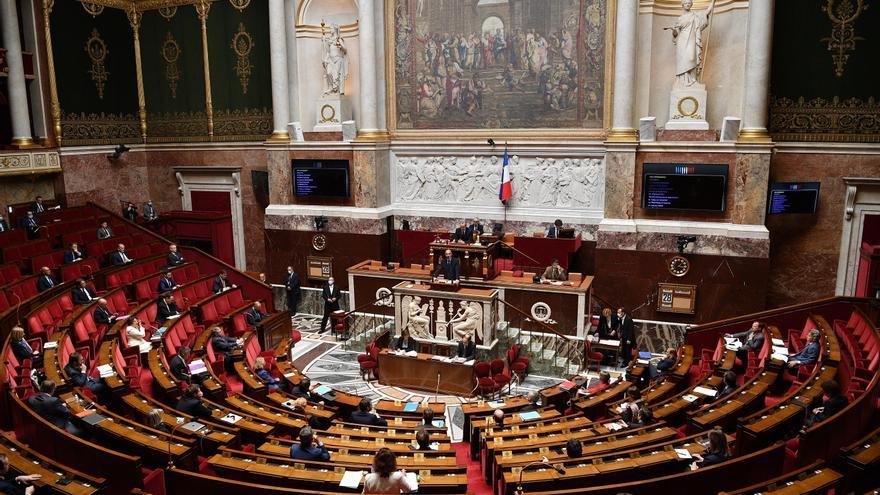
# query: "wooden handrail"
[[776, 311]]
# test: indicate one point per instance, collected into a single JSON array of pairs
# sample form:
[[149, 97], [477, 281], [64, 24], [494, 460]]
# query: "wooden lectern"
[[477, 261]]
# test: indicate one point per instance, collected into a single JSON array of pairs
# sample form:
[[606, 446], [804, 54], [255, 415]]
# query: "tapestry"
[[484, 64]]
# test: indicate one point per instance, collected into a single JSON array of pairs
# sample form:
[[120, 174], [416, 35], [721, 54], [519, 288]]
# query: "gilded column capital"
[[134, 17], [202, 9]]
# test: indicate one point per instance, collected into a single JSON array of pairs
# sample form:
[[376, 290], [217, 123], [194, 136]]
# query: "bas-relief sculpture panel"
[[538, 182], [482, 64]]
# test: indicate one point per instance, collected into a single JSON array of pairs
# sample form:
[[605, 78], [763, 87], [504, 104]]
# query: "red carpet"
[[476, 485]]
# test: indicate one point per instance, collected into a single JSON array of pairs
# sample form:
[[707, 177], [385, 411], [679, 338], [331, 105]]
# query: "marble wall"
[[23, 188]]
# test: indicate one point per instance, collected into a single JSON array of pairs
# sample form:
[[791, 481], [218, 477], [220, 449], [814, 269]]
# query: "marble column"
[[292, 67], [278, 68], [280, 173], [620, 173], [18, 99], [367, 120], [757, 72], [624, 72]]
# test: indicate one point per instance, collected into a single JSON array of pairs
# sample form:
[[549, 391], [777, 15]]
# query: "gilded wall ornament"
[[168, 12], [97, 51], [843, 33], [94, 9], [171, 53], [240, 4], [242, 44]]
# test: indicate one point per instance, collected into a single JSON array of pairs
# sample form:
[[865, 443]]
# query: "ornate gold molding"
[[240, 4], [171, 126], [93, 9], [672, 8], [754, 136], [623, 136], [100, 128], [170, 52], [168, 12], [372, 136], [251, 124], [134, 19], [825, 120], [242, 44], [29, 163], [50, 61], [97, 50], [843, 32], [202, 9]]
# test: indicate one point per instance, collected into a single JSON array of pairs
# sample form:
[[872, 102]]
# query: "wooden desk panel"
[[421, 373]]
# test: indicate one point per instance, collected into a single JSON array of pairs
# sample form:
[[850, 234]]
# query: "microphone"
[[543, 462], [437, 390], [17, 309], [180, 422]]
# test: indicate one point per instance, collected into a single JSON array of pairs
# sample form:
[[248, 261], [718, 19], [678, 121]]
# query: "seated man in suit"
[[3, 225], [303, 389], [809, 355], [22, 350], [11, 484], [754, 339], [405, 342], [104, 231], [102, 314], [166, 308], [423, 441], [427, 419], [466, 348], [364, 416], [120, 256], [78, 376], [82, 294], [38, 206], [191, 403], [255, 314], [52, 409], [222, 283], [534, 402], [462, 234], [309, 447], [826, 405], [73, 254], [30, 224], [180, 368], [166, 282], [554, 272], [130, 212], [174, 257], [665, 364], [553, 231], [475, 229], [224, 345], [449, 267], [46, 280], [728, 385]]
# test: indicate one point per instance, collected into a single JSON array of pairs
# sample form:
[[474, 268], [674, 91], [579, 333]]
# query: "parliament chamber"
[[506, 247]]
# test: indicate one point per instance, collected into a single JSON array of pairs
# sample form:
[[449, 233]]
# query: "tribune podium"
[[477, 261]]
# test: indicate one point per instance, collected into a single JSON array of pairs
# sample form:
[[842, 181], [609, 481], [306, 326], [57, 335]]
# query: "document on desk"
[[322, 390], [496, 403], [610, 342], [351, 479], [683, 453], [231, 418], [779, 357], [50, 345], [106, 370], [197, 366], [469, 363], [705, 391], [777, 342], [780, 350], [411, 407], [413, 480], [530, 416], [412, 354]]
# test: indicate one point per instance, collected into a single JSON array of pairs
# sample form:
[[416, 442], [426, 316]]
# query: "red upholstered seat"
[[486, 385], [369, 362], [591, 356], [500, 373]]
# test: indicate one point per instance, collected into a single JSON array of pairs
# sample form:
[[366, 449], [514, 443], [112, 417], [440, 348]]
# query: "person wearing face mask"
[[150, 212], [3, 225], [29, 223], [330, 294], [627, 333], [291, 286]]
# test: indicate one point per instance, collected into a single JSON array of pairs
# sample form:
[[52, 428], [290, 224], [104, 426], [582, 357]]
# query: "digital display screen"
[[793, 197], [320, 178], [667, 186]]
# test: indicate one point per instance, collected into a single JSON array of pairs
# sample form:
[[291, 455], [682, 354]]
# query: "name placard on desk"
[[676, 298]]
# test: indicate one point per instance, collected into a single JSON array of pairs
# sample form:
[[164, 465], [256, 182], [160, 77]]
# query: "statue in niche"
[[417, 321], [467, 320], [687, 36], [333, 53]]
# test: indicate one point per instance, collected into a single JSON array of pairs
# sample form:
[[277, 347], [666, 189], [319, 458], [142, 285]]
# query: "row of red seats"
[[861, 342], [212, 311], [84, 329], [9, 272], [125, 275], [17, 253]]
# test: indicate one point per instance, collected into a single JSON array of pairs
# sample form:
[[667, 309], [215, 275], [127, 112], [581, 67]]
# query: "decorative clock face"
[[319, 242], [679, 266]]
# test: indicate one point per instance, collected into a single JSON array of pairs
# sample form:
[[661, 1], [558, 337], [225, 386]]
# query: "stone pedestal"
[[332, 110], [687, 109]]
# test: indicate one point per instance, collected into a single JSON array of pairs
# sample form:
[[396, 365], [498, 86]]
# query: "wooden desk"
[[23, 461], [541, 251], [477, 261], [422, 373], [808, 480]]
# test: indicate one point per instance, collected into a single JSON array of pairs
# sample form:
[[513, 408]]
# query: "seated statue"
[[466, 321], [417, 323]]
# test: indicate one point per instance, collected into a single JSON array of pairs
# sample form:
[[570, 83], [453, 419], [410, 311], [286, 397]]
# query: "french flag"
[[506, 189]]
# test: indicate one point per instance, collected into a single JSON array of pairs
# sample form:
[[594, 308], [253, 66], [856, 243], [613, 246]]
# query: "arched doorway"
[[492, 24]]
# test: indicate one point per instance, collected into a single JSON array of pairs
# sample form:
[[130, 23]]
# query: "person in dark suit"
[[608, 324], [120, 256], [830, 403], [627, 331], [754, 339], [309, 447], [30, 224], [167, 283], [222, 283], [104, 231], [554, 272], [180, 368], [130, 212], [224, 345], [22, 350], [38, 206], [573, 448], [174, 257], [423, 441], [665, 364], [364, 416], [78, 376], [73, 253], [534, 402], [809, 355], [427, 419], [728, 385], [303, 389], [82, 294], [3, 225], [51, 408], [166, 307], [10, 484], [292, 287], [475, 229], [553, 231], [102, 314], [150, 212], [255, 315], [405, 342], [466, 348], [462, 234], [718, 450], [633, 402], [448, 267], [330, 294], [191, 403], [46, 280]]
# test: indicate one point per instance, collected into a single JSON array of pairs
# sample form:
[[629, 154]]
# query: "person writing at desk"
[[466, 348], [405, 342], [449, 267], [554, 272], [462, 234]]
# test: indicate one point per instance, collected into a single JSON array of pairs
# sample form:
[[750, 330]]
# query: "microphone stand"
[[171, 439], [437, 389], [542, 462]]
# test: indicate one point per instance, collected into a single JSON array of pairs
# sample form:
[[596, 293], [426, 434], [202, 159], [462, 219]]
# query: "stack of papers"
[[469, 363], [609, 342], [231, 418], [732, 343], [496, 403], [197, 366], [106, 370], [616, 426], [683, 453], [50, 345], [412, 354], [777, 342], [709, 392], [351, 479], [530, 416]]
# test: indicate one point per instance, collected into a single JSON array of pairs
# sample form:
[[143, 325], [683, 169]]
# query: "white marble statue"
[[417, 319], [333, 59], [467, 321], [687, 35]]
